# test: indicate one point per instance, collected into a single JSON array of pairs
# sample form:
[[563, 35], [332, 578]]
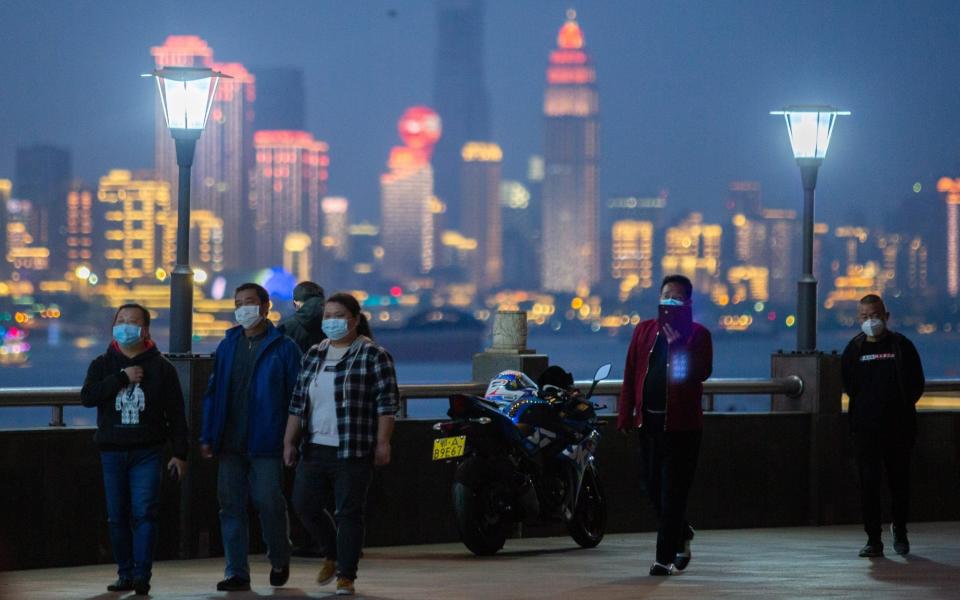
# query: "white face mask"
[[873, 327], [248, 315]]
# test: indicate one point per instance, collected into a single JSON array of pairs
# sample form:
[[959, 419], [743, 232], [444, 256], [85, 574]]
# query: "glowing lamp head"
[[810, 128], [186, 94]]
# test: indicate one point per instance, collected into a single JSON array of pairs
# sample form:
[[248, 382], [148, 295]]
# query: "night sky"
[[685, 86]]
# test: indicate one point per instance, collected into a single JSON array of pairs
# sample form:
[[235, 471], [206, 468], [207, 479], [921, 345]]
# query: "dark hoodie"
[[305, 327], [136, 415]]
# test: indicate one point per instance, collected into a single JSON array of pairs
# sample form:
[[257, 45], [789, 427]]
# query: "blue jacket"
[[275, 371]]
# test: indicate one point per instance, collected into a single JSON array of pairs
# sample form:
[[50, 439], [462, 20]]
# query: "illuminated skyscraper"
[[783, 230], [82, 223], [632, 256], [459, 95], [951, 189], [24, 256], [570, 251], [693, 249], [43, 177], [335, 227], [289, 181], [131, 205], [6, 192], [520, 238], [224, 151], [406, 198], [481, 210]]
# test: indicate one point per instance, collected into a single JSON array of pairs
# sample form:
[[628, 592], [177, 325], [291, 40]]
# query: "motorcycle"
[[525, 454]]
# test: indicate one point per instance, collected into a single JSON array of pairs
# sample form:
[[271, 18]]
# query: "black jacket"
[[909, 375], [305, 326], [136, 415]]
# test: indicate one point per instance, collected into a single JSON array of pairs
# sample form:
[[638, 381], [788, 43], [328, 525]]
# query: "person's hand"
[[671, 334], [290, 453], [177, 467], [382, 456], [206, 451], [134, 374]]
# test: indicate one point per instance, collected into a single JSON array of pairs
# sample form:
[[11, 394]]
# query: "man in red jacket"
[[661, 396]]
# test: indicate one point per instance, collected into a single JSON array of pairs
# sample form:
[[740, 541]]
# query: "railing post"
[[509, 349], [56, 416], [402, 410]]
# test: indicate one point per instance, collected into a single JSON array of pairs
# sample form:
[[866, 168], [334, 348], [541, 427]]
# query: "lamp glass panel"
[[810, 132], [187, 102]]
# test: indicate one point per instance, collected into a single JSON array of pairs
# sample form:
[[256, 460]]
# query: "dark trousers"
[[319, 472], [877, 451], [669, 462], [131, 480]]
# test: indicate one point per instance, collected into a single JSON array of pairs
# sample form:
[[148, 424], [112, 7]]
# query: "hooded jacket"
[[275, 370], [305, 326], [136, 415], [690, 364]]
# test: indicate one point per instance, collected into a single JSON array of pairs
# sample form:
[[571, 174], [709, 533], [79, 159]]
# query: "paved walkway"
[[804, 562]]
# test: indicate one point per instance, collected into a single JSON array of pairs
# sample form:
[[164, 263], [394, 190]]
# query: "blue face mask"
[[670, 302], [335, 329], [126, 334]]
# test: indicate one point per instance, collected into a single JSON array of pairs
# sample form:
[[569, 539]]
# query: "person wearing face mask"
[[244, 417], [139, 405], [343, 408], [666, 365], [883, 377]]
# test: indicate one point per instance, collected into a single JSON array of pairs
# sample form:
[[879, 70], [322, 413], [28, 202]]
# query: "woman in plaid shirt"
[[344, 405]]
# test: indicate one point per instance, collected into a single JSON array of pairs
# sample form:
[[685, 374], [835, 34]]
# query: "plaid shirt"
[[365, 388]]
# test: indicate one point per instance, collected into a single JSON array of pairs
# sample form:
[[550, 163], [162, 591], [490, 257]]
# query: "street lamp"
[[809, 128], [186, 94]]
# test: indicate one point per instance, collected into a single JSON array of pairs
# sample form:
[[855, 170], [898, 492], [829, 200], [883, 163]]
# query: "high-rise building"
[[24, 256], [83, 222], [335, 227], [520, 239], [783, 231], [570, 257], [743, 198], [407, 203], [280, 99], [131, 205], [951, 189], [289, 182], [459, 95], [481, 216], [692, 248], [6, 192], [632, 256], [42, 176], [219, 180]]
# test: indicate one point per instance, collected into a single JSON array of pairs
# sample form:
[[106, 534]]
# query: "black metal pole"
[[807, 285], [181, 282]]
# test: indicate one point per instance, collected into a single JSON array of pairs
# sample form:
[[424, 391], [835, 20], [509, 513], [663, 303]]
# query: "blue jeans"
[[319, 472], [238, 479], [131, 481]]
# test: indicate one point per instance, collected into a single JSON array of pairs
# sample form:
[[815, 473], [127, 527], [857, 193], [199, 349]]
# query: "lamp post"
[[186, 94], [809, 128]]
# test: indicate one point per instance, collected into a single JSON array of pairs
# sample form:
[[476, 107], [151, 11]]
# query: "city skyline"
[[674, 94]]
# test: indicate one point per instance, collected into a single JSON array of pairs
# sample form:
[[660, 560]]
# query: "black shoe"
[[141, 587], [234, 584], [659, 570], [683, 557], [873, 549], [901, 545], [120, 585], [278, 577]]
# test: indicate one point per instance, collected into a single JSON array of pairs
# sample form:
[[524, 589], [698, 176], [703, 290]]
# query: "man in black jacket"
[[304, 326], [883, 378]]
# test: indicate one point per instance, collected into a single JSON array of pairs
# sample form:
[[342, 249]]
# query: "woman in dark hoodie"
[[139, 407]]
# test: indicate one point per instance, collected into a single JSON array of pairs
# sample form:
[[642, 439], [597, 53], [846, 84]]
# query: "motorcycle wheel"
[[481, 527], [589, 520]]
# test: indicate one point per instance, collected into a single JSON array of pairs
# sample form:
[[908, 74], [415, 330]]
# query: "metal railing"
[[56, 398]]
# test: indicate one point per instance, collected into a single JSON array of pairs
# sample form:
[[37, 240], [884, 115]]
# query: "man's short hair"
[[262, 293], [305, 290], [140, 307], [680, 280], [873, 299]]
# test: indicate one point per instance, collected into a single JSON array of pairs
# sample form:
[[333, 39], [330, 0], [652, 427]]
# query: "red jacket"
[[684, 410]]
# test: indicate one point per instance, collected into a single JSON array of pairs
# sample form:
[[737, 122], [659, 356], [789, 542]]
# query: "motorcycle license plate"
[[449, 447]]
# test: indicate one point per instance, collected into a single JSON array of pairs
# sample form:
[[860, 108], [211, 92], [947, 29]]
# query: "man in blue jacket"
[[244, 416]]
